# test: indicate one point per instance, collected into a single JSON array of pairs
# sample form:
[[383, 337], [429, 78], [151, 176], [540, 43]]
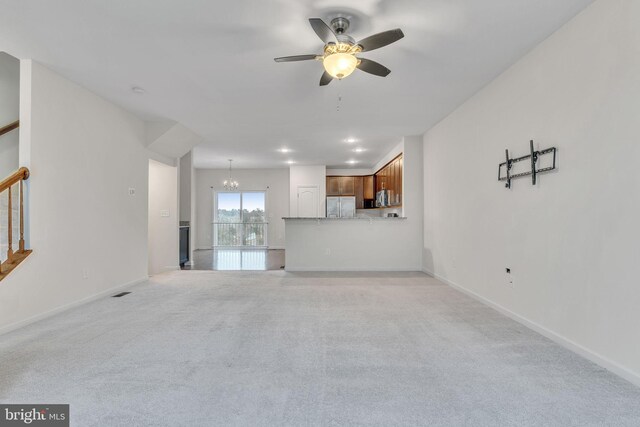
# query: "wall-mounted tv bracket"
[[533, 157]]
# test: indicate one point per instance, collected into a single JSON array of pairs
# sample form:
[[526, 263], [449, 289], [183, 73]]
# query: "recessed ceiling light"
[[138, 90], [352, 162], [284, 150], [351, 140], [358, 150], [290, 162]]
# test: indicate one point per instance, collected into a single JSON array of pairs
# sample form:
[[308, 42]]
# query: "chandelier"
[[230, 184]]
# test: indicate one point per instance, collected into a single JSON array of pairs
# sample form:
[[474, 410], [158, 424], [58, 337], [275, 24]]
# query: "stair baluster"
[[14, 258]]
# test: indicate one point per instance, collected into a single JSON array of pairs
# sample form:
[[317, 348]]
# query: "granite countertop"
[[372, 218]]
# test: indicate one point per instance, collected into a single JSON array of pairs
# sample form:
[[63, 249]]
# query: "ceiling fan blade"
[[295, 58], [325, 79], [372, 67], [323, 31], [379, 40]]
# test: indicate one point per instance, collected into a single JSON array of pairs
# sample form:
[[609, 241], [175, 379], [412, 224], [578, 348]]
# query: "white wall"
[[89, 236], [185, 187], [307, 176], [188, 199], [163, 218], [412, 195], [274, 181], [9, 112], [572, 240]]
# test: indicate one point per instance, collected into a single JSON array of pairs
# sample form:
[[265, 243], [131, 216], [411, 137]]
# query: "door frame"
[[214, 217], [317, 188]]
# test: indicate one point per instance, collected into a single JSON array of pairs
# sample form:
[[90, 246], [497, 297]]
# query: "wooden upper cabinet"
[[340, 186], [381, 179], [399, 166], [347, 187], [391, 182], [368, 187], [359, 191], [333, 186], [365, 187], [390, 178]]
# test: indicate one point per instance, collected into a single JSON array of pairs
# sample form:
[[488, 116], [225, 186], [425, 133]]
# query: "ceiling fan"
[[339, 54]]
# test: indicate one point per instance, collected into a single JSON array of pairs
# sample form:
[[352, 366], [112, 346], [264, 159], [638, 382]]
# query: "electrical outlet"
[[327, 251], [132, 191], [85, 273]]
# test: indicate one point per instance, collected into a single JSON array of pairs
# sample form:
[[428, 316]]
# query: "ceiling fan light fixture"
[[339, 59], [340, 65]]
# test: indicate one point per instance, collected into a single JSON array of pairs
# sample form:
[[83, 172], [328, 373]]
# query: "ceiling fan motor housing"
[[340, 25]]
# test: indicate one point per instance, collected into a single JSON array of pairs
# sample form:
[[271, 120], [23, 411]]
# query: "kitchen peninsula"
[[349, 244], [369, 238]]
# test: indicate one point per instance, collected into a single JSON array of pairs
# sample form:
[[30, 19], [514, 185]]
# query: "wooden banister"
[[14, 257], [9, 127], [19, 175]]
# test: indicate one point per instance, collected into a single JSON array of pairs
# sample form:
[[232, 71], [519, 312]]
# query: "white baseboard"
[[58, 310], [210, 248], [594, 357], [355, 270]]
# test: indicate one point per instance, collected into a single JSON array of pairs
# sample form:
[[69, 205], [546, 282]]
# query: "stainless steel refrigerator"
[[341, 207]]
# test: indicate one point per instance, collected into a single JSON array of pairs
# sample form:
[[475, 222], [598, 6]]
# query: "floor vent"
[[121, 294]]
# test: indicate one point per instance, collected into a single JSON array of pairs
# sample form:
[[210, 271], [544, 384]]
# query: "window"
[[240, 218]]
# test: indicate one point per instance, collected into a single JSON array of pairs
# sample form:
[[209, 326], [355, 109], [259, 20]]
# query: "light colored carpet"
[[197, 348]]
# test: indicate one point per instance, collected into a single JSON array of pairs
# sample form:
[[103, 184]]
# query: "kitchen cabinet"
[[347, 187], [362, 187], [368, 187], [381, 179], [358, 184], [391, 181], [398, 180], [340, 186], [333, 186], [390, 178]]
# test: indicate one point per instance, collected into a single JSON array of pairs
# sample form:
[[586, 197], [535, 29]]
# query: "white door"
[[308, 201]]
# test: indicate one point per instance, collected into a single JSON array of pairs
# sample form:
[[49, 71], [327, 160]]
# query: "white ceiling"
[[209, 65]]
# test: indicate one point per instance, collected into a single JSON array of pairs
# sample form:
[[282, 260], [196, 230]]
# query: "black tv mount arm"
[[533, 156]]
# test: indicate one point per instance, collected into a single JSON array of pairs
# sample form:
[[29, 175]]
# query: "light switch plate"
[[164, 213]]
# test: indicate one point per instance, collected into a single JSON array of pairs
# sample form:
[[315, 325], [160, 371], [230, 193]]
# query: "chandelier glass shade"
[[339, 60]]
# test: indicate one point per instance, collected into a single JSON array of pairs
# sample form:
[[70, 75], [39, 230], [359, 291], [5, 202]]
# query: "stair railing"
[[7, 185], [9, 127]]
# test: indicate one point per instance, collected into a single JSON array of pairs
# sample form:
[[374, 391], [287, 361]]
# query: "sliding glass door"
[[240, 219]]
